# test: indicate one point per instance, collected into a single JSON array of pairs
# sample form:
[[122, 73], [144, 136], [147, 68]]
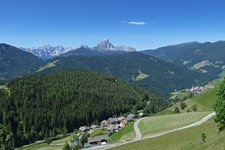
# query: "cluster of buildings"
[[114, 124], [111, 125], [198, 90]]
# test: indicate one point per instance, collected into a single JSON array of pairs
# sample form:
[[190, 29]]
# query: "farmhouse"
[[98, 139], [123, 123], [84, 129], [113, 127], [130, 117], [113, 120]]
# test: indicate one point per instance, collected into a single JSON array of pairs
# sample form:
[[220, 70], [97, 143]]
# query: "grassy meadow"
[[161, 123], [187, 139]]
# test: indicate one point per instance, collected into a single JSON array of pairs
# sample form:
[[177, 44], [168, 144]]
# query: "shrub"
[[183, 105], [176, 110], [194, 107]]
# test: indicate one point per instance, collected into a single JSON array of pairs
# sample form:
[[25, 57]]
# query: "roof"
[[99, 138], [121, 118], [131, 116], [113, 120], [113, 127]]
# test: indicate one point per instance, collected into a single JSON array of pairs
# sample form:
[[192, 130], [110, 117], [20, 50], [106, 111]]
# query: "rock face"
[[104, 47], [47, 51]]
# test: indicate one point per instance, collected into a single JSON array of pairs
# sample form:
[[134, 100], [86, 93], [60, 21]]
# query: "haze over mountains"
[[105, 47]]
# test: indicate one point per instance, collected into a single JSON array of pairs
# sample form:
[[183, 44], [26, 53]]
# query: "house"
[[113, 121], [121, 118], [94, 126], [84, 129], [77, 144], [113, 127], [123, 123], [99, 140], [141, 114], [130, 117], [104, 123]]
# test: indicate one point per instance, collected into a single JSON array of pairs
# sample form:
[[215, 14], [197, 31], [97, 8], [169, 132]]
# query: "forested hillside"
[[207, 58], [144, 70], [15, 62], [39, 106]]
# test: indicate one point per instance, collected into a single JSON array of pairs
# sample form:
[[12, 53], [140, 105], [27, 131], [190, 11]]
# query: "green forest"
[[162, 77], [45, 105]]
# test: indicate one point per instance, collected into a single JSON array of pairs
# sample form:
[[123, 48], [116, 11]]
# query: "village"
[[199, 89], [110, 126]]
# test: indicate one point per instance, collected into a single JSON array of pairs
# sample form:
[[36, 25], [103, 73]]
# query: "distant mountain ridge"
[[207, 58], [146, 71], [47, 52], [15, 62], [105, 47]]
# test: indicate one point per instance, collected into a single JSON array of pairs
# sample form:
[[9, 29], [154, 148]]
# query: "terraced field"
[[157, 124]]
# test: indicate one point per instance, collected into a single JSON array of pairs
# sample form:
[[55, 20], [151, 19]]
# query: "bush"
[[84, 138], [66, 146], [194, 107], [188, 110], [183, 105], [203, 137], [176, 110]]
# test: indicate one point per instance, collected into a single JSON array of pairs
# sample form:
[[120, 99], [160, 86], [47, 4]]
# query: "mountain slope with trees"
[[206, 57], [46, 105], [15, 62], [144, 70]]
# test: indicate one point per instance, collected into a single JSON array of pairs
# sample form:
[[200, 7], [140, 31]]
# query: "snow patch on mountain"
[[47, 52]]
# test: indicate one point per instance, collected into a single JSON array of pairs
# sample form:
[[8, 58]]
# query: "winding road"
[[138, 133], [136, 129]]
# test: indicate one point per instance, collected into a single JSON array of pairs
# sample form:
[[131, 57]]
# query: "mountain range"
[[207, 58], [105, 47], [163, 70], [146, 71]]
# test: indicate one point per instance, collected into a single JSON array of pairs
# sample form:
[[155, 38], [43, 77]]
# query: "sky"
[[143, 24]]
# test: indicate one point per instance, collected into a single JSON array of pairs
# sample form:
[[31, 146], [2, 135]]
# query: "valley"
[[112, 75], [151, 86]]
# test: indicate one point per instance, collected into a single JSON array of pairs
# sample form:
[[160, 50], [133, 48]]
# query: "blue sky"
[[143, 24]]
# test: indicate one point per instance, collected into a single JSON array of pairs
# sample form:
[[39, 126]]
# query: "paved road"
[[136, 129], [138, 134]]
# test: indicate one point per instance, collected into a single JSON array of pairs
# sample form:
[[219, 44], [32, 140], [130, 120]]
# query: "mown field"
[[188, 139], [127, 133], [161, 123], [55, 145], [204, 101]]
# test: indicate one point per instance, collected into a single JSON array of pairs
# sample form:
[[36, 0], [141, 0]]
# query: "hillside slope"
[[202, 57], [15, 62], [56, 103], [143, 70]]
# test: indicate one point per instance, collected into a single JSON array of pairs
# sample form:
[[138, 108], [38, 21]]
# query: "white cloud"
[[137, 23]]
